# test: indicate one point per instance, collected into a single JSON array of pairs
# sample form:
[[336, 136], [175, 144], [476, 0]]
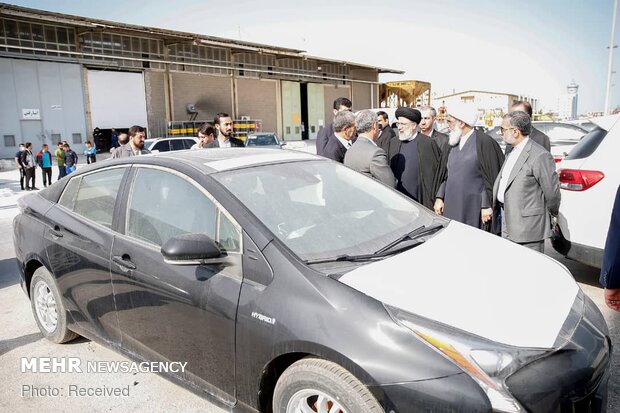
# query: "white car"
[[589, 178], [173, 143]]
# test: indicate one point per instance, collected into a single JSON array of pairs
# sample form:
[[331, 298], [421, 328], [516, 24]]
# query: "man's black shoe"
[[34, 188]]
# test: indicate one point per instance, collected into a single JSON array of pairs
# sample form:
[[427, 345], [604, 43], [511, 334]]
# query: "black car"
[[290, 283]]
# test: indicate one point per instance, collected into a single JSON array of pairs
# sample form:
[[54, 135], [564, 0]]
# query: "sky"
[[532, 48]]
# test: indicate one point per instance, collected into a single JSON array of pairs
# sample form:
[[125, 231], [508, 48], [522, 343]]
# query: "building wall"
[[155, 86], [210, 94], [362, 96], [257, 99], [55, 90]]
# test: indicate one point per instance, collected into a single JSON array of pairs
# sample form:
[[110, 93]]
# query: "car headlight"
[[486, 362]]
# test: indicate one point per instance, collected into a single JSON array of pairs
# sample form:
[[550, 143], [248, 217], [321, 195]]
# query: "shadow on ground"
[[9, 272], [13, 343]]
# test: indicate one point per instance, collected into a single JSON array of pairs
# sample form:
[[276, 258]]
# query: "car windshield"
[[262, 140], [321, 210]]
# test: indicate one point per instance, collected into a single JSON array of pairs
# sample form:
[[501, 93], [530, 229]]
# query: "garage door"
[[117, 99]]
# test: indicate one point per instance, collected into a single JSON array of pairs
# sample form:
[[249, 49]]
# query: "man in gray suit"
[[364, 155], [535, 135], [527, 188]]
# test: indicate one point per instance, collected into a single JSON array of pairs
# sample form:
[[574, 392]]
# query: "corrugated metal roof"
[[36, 14]]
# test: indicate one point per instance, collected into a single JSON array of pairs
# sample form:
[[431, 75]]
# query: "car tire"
[[48, 309], [318, 385]]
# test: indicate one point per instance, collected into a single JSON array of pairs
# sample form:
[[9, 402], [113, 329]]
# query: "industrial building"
[[61, 76]]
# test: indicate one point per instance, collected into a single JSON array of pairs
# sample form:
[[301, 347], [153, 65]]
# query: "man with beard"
[[414, 158], [536, 135], [386, 131], [224, 126], [342, 139], [326, 134], [427, 127], [469, 169], [134, 147]]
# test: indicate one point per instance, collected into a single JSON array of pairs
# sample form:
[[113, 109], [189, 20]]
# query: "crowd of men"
[[463, 175]]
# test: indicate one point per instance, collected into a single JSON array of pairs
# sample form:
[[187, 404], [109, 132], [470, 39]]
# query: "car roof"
[[218, 159]]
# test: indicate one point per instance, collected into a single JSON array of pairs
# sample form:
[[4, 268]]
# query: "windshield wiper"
[[413, 235], [344, 257]]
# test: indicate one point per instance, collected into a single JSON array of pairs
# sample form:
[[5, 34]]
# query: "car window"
[[163, 204], [96, 195], [176, 145], [559, 133], [188, 143], [588, 144], [68, 194], [161, 146]]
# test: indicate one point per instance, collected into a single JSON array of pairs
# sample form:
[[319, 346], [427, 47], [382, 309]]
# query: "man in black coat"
[[427, 127], [342, 139], [387, 133], [327, 133], [535, 135], [414, 158], [224, 126]]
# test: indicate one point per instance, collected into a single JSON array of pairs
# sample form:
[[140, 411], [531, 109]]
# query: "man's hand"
[[612, 298], [486, 214], [439, 206]]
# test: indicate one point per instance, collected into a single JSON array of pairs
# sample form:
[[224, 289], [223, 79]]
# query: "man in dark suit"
[[364, 155], [327, 133], [427, 127], [535, 135], [610, 267], [224, 126], [387, 133], [527, 188], [342, 139]]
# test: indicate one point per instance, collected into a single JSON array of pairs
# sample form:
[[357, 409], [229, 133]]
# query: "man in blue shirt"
[[44, 160]]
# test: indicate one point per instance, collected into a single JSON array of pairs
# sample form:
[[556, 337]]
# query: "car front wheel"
[[315, 385], [48, 310]]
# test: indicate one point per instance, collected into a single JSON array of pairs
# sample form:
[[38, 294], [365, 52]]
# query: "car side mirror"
[[190, 249]]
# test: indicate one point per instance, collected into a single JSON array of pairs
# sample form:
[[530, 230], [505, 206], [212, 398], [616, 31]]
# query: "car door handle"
[[124, 263], [55, 232]]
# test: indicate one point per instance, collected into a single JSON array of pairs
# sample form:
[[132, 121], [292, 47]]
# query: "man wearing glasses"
[[527, 188], [535, 135], [414, 158]]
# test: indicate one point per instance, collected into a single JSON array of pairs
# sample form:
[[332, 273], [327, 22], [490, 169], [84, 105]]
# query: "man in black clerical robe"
[[414, 159], [468, 171]]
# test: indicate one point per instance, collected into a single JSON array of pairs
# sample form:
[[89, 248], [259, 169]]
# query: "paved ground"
[[19, 337]]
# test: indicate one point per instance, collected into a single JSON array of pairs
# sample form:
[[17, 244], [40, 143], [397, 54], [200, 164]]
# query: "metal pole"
[[610, 63]]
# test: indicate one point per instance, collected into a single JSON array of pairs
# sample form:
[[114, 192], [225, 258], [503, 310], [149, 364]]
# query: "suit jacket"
[[383, 141], [532, 193], [441, 139], [429, 162], [610, 267], [334, 150], [322, 137], [366, 157], [538, 137], [234, 143]]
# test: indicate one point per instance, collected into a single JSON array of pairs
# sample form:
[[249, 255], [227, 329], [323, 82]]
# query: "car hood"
[[476, 282]]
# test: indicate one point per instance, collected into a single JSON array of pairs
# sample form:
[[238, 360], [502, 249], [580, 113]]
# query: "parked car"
[[589, 177], [562, 136], [291, 283], [264, 140], [175, 143]]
